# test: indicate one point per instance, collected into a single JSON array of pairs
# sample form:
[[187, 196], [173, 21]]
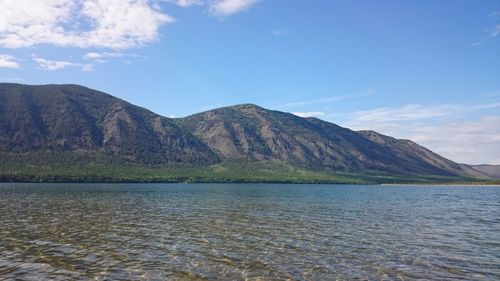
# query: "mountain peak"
[[71, 119], [243, 105]]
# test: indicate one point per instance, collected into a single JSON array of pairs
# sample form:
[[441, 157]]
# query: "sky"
[[428, 71]]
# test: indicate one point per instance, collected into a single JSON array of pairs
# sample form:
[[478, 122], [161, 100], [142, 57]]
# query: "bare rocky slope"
[[71, 119], [492, 171]]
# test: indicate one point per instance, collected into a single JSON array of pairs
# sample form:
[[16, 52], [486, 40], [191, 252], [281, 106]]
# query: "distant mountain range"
[[67, 126], [492, 171]]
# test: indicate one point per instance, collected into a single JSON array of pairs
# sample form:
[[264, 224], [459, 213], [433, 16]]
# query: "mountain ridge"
[[69, 117], [492, 171], [80, 123]]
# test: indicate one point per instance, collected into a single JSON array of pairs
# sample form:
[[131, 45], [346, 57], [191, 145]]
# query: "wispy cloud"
[[52, 65], [473, 141], [187, 3], [495, 14], [329, 99], [309, 114], [220, 8], [93, 58], [115, 24], [479, 42], [102, 56], [496, 31], [457, 131], [409, 112], [280, 32], [413, 112], [8, 61], [493, 32]]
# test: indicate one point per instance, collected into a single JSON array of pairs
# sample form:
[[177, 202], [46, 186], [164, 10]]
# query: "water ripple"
[[248, 232]]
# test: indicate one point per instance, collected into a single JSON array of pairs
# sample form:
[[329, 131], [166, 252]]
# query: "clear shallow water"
[[236, 232]]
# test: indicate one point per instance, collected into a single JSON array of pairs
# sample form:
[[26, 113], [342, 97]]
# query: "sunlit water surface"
[[248, 231]]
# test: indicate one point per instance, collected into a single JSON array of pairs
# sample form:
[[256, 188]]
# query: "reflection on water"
[[236, 232]]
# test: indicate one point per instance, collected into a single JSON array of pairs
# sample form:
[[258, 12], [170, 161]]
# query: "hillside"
[[252, 133], [64, 131], [71, 118], [492, 171]]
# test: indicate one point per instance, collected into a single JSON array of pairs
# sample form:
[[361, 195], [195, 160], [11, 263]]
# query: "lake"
[[248, 231]]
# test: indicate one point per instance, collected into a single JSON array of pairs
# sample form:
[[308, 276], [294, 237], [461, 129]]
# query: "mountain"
[[69, 130], [252, 133], [492, 171], [71, 118]]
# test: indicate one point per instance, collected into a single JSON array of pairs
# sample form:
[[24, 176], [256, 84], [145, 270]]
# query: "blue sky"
[[423, 70]]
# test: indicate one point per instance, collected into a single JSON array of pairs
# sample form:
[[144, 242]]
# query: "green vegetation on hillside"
[[108, 171]]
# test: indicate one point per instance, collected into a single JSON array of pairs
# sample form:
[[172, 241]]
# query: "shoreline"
[[257, 182], [444, 184]]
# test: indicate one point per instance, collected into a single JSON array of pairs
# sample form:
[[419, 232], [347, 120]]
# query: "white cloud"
[[414, 112], [7, 61], [116, 24], [230, 7], [218, 7], [52, 65], [309, 114], [187, 3], [93, 56], [473, 142], [365, 93], [113, 24], [409, 112], [452, 130], [102, 57]]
